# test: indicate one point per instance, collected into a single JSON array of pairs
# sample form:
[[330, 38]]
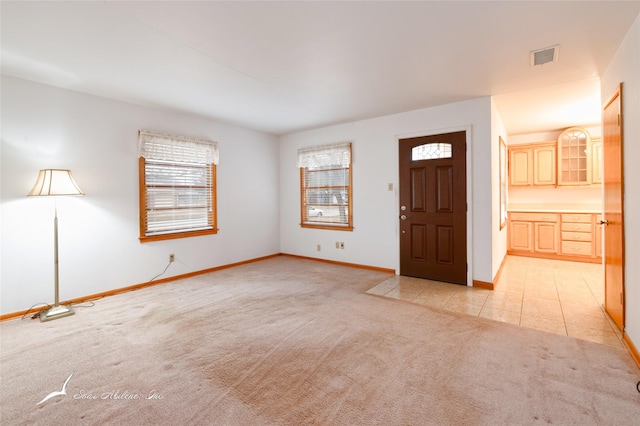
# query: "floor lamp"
[[52, 182]]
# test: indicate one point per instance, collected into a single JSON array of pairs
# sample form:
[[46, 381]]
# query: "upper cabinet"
[[544, 164], [533, 164], [574, 159]]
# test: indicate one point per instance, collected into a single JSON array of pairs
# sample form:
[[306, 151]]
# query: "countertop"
[[554, 208]]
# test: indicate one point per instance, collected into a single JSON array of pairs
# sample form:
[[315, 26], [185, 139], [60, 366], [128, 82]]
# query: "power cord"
[[35, 315], [91, 304], [162, 273]]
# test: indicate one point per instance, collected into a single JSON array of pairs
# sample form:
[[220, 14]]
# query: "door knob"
[[403, 217]]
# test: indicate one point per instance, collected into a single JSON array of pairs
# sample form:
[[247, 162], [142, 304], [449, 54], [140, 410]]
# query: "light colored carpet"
[[293, 341]]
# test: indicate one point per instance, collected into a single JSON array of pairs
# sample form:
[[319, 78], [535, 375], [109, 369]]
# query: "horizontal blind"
[[177, 149], [325, 173], [322, 156], [178, 183]]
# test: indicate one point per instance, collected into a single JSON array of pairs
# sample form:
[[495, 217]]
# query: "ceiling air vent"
[[544, 56]]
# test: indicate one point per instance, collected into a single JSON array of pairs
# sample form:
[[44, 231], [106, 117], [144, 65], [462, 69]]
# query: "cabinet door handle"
[[604, 222]]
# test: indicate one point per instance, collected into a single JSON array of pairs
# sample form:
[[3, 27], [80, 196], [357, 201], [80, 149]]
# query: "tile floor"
[[550, 295]]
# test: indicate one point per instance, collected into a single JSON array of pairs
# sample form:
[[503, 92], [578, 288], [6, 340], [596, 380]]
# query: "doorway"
[[433, 211]]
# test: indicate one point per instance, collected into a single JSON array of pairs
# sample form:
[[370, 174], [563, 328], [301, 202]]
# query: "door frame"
[[431, 132]]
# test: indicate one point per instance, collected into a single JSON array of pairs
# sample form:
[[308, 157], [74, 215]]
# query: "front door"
[[433, 210], [613, 210]]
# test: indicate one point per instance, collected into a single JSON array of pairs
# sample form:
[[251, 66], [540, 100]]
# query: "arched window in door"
[[431, 151]]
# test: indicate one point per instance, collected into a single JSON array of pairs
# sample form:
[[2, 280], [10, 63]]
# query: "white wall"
[[499, 236], [375, 240], [625, 68], [47, 127]]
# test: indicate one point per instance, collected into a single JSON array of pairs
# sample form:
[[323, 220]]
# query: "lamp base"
[[56, 312]]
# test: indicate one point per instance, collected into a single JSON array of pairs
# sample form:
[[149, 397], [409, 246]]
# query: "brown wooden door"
[[613, 220], [433, 211]]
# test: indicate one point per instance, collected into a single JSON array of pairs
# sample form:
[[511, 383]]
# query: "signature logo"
[[62, 391]]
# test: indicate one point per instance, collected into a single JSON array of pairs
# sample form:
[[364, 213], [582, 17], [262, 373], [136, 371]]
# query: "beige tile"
[[431, 300], [505, 295], [510, 286], [383, 287], [402, 293], [543, 292], [586, 321], [591, 310], [604, 337], [549, 325], [504, 304], [463, 307], [546, 308], [441, 290], [581, 298], [500, 315], [475, 297], [549, 295], [413, 284]]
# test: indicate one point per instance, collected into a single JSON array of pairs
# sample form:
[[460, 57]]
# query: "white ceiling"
[[282, 67]]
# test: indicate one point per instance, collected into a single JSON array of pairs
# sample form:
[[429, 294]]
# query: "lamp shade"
[[55, 182]]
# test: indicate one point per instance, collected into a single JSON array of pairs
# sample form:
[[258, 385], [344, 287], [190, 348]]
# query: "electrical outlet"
[[337, 245], [171, 258], [342, 245], [318, 247]]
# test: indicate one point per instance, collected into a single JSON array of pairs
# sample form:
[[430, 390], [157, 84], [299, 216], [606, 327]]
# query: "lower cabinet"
[[533, 232], [577, 234], [571, 236]]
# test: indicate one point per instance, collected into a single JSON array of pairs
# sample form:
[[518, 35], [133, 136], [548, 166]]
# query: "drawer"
[[576, 227], [577, 248], [576, 236], [576, 217], [534, 217]]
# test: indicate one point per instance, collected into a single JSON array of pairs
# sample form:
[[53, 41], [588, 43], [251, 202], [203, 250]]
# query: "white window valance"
[[338, 154], [183, 149]]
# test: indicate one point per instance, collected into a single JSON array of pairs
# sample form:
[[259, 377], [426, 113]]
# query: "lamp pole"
[[55, 182]]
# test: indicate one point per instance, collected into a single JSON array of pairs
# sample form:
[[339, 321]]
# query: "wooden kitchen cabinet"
[[558, 235], [520, 166], [520, 235], [577, 234], [533, 164], [544, 164], [545, 236], [574, 158], [533, 233]]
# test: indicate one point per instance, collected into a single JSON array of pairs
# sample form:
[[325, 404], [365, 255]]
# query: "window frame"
[[143, 211], [304, 222]]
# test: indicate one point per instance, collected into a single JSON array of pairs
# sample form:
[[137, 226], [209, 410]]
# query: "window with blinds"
[[177, 186], [326, 187]]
